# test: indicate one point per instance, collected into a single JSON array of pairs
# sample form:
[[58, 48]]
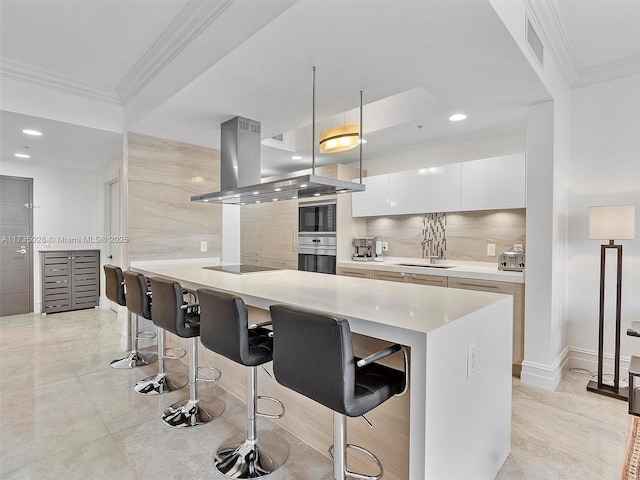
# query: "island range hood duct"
[[240, 169]]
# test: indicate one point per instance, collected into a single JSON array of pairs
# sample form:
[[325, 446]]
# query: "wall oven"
[[317, 217], [317, 253]]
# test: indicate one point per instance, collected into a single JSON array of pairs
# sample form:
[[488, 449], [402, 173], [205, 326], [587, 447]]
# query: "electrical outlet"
[[491, 249], [203, 246], [471, 359], [385, 246]]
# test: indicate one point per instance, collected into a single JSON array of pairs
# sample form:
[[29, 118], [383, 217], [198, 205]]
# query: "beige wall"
[[163, 223], [467, 233]]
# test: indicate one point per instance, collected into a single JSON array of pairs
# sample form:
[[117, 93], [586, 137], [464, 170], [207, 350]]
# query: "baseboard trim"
[[545, 376], [588, 359]]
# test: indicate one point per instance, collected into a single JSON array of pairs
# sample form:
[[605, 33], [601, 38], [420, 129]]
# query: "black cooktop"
[[240, 269]]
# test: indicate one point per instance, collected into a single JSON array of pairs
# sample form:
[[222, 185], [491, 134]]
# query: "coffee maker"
[[364, 249]]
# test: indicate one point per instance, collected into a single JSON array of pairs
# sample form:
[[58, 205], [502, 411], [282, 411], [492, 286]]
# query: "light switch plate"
[[203, 246], [491, 249], [471, 359]]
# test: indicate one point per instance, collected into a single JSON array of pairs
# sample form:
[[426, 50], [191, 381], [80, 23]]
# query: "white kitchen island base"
[[460, 391]]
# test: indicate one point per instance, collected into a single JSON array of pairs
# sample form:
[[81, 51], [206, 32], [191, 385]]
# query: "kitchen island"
[[459, 405]]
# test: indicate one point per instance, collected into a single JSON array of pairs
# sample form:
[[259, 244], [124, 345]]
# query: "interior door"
[[113, 226], [16, 245]]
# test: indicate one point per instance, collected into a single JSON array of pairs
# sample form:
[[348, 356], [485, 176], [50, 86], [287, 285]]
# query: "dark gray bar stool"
[[224, 329], [170, 312], [313, 355], [115, 290], [139, 302]]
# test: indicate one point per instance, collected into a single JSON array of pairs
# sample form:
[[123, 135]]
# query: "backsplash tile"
[[466, 234]]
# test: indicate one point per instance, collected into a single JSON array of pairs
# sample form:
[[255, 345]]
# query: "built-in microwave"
[[317, 217]]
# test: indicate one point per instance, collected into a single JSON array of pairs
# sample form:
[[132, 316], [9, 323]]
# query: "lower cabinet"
[[417, 278], [515, 289], [70, 280], [354, 272]]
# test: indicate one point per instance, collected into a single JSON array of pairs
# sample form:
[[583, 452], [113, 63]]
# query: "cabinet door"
[[481, 285], [56, 281], [85, 278], [280, 231], [433, 280], [435, 189], [390, 276], [355, 272], [494, 183], [374, 200], [250, 230]]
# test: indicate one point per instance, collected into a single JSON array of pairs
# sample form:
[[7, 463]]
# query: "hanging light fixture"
[[339, 139]]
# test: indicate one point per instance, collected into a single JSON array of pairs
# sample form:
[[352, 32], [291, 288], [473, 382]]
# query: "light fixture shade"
[[339, 139], [613, 222]]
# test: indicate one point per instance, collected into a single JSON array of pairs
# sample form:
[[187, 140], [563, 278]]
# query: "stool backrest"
[[114, 286], [224, 329], [166, 311], [313, 355], [138, 302]]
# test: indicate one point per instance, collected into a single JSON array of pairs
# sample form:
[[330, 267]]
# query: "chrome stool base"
[[160, 383], [133, 360], [192, 413], [242, 458]]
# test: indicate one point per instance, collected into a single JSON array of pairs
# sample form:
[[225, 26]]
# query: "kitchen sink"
[[432, 265]]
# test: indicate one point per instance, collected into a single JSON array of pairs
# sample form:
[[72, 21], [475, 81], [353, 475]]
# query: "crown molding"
[[191, 22], [549, 22], [55, 81]]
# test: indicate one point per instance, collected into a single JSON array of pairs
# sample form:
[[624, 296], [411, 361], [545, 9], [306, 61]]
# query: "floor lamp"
[[609, 223]]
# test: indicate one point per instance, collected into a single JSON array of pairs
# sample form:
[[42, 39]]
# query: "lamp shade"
[[613, 222], [339, 139]]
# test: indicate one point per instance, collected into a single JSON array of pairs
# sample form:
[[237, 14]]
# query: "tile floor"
[[65, 414]]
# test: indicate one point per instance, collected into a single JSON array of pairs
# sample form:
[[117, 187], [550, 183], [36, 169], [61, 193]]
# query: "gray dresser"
[[70, 279]]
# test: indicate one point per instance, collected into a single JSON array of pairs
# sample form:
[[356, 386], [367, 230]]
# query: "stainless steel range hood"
[[240, 169]]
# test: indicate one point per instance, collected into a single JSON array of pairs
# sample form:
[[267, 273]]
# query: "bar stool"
[[138, 298], [313, 355], [224, 329], [115, 290], [170, 312]]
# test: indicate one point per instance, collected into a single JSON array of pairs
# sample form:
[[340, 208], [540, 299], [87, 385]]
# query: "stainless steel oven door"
[[316, 262], [317, 253]]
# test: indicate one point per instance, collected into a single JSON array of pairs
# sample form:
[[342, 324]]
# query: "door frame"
[[107, 224]]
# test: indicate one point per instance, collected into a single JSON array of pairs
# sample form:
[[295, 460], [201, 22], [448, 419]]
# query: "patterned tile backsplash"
[[456, 236]]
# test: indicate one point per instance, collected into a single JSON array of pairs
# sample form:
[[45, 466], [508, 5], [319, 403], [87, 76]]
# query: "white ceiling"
[[181, 67]]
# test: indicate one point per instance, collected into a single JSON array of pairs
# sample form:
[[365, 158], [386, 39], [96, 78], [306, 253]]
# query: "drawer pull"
[[477, 285]]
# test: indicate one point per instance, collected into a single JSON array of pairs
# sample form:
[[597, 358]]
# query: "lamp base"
[[609, 391]]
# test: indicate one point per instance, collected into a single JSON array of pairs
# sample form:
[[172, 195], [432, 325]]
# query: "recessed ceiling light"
[[257, 201], [316, 194], [275, 199], [304, 185], [256, 193], [278, 189], [457, 117], [21, 155], [35, 133], [296, 157]]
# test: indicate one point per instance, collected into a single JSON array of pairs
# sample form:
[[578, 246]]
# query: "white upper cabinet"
[[494, 183], [434, 189], [374, 201], [489, 184]]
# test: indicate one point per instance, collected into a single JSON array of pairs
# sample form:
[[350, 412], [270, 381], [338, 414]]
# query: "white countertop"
[[460, 269], [416, 308]]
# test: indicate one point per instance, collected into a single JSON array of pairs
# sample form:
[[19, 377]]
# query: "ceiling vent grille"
[[533, 40]]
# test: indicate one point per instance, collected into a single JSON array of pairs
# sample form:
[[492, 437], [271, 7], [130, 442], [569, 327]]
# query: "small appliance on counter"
[[513, 260], [364, 249], [379, 251]]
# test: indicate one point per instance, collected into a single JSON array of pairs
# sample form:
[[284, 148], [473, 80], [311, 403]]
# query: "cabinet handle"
[[402, 274], [476, 285], [413, 275]]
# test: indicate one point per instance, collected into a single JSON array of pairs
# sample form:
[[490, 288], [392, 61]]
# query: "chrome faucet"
[[426, 243]]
